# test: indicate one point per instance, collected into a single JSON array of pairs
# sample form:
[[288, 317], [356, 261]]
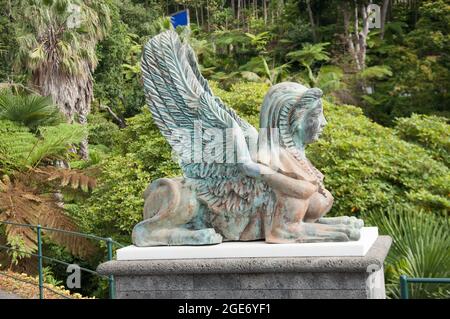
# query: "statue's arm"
[[319, 205], [300, 189]]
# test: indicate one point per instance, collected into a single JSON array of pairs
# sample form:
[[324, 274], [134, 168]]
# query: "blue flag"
[[180, 18]]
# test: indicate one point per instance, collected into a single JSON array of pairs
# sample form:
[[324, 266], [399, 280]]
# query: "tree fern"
[[16, 143], [72, 178], [25, 204], [19, 148], [375, 72], [55, 141]]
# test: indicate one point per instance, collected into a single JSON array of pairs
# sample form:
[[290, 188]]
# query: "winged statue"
[[238, 183]]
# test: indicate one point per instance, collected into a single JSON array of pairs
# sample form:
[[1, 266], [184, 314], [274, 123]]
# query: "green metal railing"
[[405, 280], [41, 257]]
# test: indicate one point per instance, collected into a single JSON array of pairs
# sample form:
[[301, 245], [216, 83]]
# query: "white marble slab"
[[254, 249]]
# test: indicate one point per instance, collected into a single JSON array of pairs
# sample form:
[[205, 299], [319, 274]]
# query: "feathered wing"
[[178, 97], [249, 131]]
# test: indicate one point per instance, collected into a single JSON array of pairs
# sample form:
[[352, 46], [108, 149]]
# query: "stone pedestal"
[[252, 277]]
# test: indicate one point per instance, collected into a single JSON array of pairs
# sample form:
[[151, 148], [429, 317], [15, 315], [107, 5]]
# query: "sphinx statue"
[[262, 187]]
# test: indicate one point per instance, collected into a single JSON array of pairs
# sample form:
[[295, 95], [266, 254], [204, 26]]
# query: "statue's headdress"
[[285, 107]]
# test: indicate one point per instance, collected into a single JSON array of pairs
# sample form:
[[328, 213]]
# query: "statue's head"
[[307, 120], [296, 111]]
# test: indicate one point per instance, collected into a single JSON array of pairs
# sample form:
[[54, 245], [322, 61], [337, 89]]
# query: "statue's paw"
[[323, 237], [343, 220], [340, 232], [359, 223], [352, 232], [207, 236], [355, 222], [355, 234]]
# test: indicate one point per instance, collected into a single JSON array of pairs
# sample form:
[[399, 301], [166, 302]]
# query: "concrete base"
[[244, 277], [241, 249]]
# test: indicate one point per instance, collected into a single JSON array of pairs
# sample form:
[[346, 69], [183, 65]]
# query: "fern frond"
[[56, 218], [67, 177], [16, 143], [55, 141], [20, 203], [20, 149]]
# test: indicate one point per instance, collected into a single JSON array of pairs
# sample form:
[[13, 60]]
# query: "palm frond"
[[40, 45], [421, 245], [310, 53], [376, 72], [30, 110]]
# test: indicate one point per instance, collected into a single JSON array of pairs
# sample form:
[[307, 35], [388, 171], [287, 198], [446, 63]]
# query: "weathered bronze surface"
[[260, 187]]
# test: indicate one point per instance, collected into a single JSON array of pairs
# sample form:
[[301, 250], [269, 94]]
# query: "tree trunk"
[[207, 16], [196, 15], [348, 35], [362, 36], [384, 9], [201, 14], [356, 27], [273, 13], [311, 21], [72, 93], [120, 121], [265, 11], [238, 17], [226, 22], [233, 9]]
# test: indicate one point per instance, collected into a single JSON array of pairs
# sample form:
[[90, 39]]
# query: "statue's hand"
[[251, 169], [255, 170]]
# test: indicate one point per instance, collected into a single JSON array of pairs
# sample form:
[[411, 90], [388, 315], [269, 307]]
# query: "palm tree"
[[31, 110], [57, 41], [32, 137]]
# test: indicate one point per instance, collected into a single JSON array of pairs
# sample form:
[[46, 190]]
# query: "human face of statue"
[[314, 124]]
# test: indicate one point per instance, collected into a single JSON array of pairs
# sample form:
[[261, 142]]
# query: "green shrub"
[[115, 206], [431, 132], [421, 244], [101, 131], [244, 97], [142, 138], [140, 156], [367, 166]]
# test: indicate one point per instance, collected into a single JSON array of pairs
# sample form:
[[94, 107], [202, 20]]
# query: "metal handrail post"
[[404, 287], [40, 270], [112, 288]]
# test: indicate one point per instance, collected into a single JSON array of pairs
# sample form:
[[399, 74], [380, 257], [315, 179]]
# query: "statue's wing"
[[249, 130], [180, 98]]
